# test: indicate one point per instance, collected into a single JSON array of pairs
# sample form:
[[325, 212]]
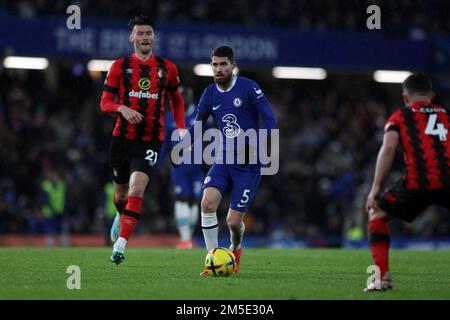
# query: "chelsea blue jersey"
[[237, 110]]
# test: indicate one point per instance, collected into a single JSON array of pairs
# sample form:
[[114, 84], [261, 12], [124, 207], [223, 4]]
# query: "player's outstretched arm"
[[111, 89], [265, 110], [131, 115], [108, 105], [177, 109], [384, 162], [262, 104]]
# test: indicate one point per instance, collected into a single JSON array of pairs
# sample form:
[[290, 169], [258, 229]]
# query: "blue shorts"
[[187, 181], [243, 180]]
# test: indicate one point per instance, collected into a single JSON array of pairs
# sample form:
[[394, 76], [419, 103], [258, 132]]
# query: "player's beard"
[[145, 49], [223, 80]]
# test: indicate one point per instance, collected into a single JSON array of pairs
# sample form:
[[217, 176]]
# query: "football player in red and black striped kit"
[[140, 83], [421, 129]]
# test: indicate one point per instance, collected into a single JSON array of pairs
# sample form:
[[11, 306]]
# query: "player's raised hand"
[[371, 202], [132, 116], [182, 133]]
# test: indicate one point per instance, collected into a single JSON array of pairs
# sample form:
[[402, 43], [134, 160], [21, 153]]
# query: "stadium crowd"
[[51, 124], [416, 18]]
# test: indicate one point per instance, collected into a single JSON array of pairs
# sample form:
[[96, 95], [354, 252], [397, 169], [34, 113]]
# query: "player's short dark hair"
[[418, 83], [141, 20], [223, 51]]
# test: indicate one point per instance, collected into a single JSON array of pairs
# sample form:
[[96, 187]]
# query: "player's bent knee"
[[234, 224], [210, 201], [137, 191], [208, 205], [234, 221]]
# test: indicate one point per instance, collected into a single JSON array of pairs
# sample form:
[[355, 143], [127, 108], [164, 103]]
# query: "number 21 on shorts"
[[152, 157]]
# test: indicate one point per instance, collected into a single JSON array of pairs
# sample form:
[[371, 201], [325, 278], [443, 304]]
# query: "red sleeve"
[[173, 80], [393, 123], [177, 108], [111, 89]]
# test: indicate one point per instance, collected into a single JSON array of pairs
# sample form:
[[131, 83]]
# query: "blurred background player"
[[187, 179], [141, 82], [236, 103], [53, 190], [421, 128], [331, 129], [109, 213]]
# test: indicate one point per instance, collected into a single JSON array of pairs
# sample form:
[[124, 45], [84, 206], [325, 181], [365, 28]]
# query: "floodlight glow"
[[100, 65], [203, 70], [30, 63], [390, 76], [299, 73]]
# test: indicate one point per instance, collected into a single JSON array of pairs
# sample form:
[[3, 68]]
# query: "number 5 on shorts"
[[245, 196]]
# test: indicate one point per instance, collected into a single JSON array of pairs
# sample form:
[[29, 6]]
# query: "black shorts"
[[128, 156], [407, 204]]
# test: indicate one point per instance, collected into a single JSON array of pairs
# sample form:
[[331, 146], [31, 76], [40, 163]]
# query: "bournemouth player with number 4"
[[421, 128]]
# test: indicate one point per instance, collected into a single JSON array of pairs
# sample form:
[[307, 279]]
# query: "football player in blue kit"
[[187, 179], [237, 104]]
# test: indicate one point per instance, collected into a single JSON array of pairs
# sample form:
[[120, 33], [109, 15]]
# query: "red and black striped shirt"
[[423, 129], [142, 86]]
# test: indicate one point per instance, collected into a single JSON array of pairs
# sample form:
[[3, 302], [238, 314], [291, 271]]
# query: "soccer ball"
[[220, 262]]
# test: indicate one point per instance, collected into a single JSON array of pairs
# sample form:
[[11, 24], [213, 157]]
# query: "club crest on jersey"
[[144, 83], [237, 102]]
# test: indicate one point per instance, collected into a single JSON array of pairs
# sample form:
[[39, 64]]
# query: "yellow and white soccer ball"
[[220, 262]]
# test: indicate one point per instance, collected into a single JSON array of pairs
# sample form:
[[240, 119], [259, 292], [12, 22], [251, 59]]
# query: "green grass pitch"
[[173, 274]]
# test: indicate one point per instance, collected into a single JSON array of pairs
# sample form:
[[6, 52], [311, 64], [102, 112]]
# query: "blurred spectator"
[[329, 141], [108, 211], [415, 18], [53, 190], [330, 132]]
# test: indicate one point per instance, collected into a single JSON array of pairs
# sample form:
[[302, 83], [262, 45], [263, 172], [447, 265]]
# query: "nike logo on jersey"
[[241, 206], [216, 107]]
